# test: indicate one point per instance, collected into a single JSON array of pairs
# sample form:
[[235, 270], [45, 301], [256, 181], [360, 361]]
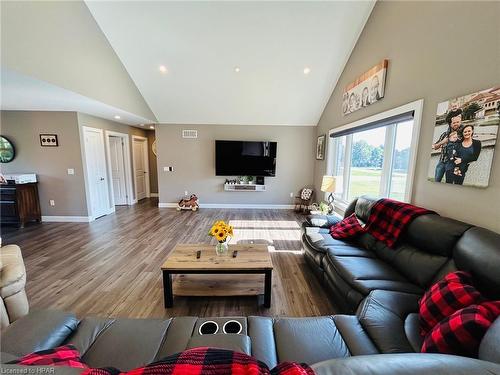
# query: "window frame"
[[390, 140]]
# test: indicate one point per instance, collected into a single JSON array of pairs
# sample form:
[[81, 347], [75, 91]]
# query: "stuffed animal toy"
[[188, 204]]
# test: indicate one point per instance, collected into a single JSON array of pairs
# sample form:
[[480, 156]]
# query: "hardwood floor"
[[111, 267]]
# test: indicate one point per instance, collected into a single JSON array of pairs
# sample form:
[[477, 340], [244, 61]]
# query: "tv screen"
[[244, 158]]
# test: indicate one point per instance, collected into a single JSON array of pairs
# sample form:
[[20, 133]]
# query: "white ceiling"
[[20, 92], [201, 43]]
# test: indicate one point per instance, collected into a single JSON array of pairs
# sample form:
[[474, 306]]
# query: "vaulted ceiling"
[[259, 63], [178, 62]]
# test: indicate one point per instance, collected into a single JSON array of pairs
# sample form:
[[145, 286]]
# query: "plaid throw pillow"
[[462, 332], [454, 292], [347, 228], [66, 355]]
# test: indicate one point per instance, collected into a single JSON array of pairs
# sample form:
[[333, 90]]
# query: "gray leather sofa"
[[381, 286], [331, 344]]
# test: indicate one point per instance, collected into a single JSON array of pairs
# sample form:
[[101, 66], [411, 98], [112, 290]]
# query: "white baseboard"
[[66, 219], [153, 195], [167, 205], [235, 205]]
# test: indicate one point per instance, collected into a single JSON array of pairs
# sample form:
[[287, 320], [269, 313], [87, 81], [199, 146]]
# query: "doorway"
[[141, 166], [95, 163], [120, 180]]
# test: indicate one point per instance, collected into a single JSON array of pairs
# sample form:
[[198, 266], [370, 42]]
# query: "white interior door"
[[96, 171], [140, 168], [117, 163]]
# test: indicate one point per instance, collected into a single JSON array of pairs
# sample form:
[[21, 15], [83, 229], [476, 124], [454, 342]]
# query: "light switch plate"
[[71, 171]]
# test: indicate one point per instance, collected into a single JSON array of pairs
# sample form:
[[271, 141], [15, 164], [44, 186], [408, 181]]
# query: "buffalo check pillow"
[[462, 331], [454, 292], [347, 228]]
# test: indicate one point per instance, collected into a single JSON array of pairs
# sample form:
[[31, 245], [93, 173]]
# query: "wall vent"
[[190, 134]]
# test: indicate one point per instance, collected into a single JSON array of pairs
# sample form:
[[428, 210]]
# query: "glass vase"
[[221, 248]]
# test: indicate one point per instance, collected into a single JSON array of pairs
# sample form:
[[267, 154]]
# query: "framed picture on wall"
[[320, 148], [365, 90], [48, 140], [465, 134]]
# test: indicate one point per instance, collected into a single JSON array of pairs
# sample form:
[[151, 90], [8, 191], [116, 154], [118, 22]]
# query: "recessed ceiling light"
[[307, 70], [151, 127], [163, 69], [117, 117], [237, 69]]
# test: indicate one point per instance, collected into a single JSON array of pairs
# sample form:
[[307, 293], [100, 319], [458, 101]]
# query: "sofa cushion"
[[383, 315], [489, 350], [358, 342], [435, 234], [412, 331], [319, 239], [143, 338], [478, 252], [366, 274], [308, 340], [415, 264]]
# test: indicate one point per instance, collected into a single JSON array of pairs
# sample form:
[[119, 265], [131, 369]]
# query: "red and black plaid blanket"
[[388, 219], [197, 361]]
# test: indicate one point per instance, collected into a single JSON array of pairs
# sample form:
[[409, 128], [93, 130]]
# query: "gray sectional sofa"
[[376, 288]]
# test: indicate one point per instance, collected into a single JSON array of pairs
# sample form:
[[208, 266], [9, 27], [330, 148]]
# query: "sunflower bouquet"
[[221, 231]]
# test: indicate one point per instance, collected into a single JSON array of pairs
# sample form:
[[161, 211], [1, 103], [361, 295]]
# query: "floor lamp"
[[328, 186]]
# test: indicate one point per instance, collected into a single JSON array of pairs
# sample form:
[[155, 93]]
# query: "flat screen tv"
[[245, 158]]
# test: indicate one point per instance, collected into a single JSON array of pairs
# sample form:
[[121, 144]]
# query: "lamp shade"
[[328, 184]]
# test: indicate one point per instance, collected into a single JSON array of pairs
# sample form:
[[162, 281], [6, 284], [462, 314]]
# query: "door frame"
[[126, 165], [110, 209], [146, 161]]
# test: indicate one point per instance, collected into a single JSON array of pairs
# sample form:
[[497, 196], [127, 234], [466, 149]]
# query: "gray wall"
[[49, 163], [51, 40], [437, 51], [194, 162]]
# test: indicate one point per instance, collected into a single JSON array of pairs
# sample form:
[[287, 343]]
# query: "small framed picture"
[[48, 140], [320, 148]]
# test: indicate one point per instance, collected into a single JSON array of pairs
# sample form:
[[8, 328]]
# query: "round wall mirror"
[[7, 151]]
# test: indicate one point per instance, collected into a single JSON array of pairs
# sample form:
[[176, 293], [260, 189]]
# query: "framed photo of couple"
[[464, 139]]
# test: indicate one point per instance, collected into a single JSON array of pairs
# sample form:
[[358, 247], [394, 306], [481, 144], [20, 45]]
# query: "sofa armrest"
[[39, 330], [322, 221], [386, 311]]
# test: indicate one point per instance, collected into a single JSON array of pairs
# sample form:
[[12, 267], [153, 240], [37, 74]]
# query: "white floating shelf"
[[244, 187]]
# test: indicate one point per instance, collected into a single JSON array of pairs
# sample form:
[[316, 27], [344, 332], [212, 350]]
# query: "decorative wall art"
[[367, 89], [464, 139], [48, 140], [320, 148]]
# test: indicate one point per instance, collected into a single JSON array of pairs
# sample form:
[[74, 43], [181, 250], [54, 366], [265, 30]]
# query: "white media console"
[[244, 187]]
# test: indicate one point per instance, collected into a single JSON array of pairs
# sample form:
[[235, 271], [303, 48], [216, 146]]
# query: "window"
[[374, 157]]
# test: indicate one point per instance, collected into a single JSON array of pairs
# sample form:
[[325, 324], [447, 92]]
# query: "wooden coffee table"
[[192, 273]]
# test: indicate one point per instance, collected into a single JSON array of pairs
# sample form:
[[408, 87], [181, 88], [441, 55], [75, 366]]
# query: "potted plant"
[[250, 179]]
